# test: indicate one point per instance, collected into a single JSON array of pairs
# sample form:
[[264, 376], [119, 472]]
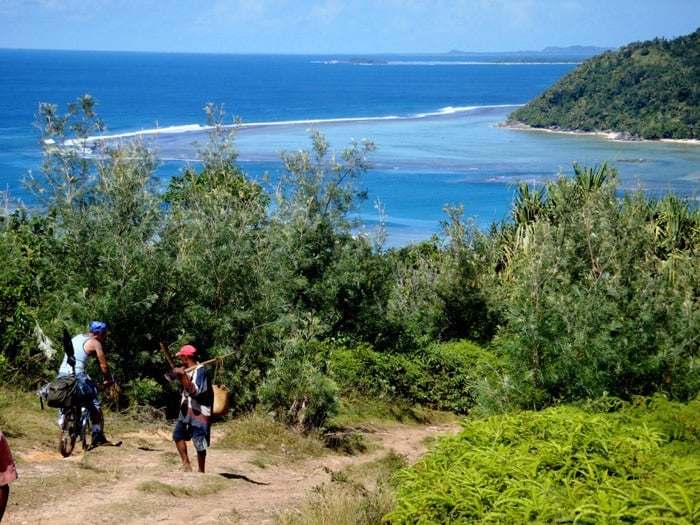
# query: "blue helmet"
[[98, 327]]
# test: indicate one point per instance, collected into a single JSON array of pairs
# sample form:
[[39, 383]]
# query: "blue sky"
[[339, 26]]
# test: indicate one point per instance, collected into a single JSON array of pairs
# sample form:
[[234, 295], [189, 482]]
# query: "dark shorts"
[[198, 435]]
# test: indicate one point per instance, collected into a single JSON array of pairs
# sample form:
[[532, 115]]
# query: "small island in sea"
[[367, 61]]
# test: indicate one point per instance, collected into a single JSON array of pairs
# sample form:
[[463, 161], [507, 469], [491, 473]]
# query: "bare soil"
[[140, 481]]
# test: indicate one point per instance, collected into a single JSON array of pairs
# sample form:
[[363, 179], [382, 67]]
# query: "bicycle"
[[73, 413], [73, 424]]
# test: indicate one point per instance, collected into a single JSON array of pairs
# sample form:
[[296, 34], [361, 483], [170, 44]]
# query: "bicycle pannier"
[[60, 392]]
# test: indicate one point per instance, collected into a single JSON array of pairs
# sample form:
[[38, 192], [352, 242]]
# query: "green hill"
[[647, 90]]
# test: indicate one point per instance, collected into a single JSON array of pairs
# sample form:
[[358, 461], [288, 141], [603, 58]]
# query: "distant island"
[[548, 54], [366, 61], [645, 90], [572, 54]]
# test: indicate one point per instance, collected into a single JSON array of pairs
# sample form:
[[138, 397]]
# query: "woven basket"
[[220, 405]]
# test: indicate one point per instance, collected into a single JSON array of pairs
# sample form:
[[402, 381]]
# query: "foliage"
[[442, 376], [646, 89], [317, 198], [437, 291], [143, 391], [296, 391], [582, 293], [212, 237], [24, 277], [585, 314], [627, 463]]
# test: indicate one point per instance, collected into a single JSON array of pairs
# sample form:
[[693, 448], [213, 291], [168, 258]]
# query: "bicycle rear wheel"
[[67, 433], [84, 428]]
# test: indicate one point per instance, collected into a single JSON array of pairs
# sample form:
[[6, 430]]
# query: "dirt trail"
[[139, 482]]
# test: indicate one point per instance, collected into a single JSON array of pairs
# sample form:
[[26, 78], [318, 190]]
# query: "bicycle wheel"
[[84, 428], [68, 433]]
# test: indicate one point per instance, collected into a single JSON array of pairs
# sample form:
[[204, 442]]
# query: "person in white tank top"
[[86, 346]]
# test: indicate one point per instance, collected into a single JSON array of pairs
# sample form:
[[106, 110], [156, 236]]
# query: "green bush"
[[584, 314], [296, 391], [143, 391], [452, 373], [443, 376]]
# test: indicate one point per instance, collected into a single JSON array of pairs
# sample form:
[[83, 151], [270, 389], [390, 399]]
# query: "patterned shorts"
[[198, 435]]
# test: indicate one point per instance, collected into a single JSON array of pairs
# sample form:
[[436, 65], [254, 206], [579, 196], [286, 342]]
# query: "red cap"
[[187, 350]]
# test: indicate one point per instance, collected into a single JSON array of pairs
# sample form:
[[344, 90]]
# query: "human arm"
[[185, 380], [93, 346], [193, 381]]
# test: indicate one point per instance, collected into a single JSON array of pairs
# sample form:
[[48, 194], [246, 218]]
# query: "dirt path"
[[139, 482]]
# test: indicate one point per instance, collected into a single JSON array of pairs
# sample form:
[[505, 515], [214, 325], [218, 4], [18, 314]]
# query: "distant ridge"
[[575, 50], [645, 90], [546, 54]]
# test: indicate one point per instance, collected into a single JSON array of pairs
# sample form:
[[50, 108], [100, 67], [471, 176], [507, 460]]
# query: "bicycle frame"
[[73, 425]]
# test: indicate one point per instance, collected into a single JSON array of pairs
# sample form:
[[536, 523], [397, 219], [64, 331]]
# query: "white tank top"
[[81, 356]]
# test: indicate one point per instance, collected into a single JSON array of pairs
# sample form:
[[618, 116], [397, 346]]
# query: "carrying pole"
[[209, 361], [166, 352]]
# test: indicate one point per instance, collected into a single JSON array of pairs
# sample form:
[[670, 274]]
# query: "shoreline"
[[615, 136]]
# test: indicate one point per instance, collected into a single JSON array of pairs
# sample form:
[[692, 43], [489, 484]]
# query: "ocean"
[[433, 118]]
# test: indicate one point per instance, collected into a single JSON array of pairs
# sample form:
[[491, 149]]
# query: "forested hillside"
[[647, 90]]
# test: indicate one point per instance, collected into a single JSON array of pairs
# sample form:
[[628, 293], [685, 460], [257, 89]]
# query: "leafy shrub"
[[362, 370], [607, 463], [143, 391], [441, 376], [585, 315], [452, 372], [296, 391]]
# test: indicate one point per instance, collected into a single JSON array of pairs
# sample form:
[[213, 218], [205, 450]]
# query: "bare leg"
[[201, 459], [181, 446], [4, 495], [97, 418]]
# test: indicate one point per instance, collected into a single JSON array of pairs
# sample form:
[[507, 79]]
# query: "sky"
[[339, 26]]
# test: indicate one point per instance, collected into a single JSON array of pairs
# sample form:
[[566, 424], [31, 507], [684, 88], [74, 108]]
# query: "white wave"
[[150, 132], [452, 110], [194, 128]]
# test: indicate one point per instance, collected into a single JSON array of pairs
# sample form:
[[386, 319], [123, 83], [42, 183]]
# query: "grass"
[[355, 496], [155, 487], [359, 411], [274, 442], [24, 422]]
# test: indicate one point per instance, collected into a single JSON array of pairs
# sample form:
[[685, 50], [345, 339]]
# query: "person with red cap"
[[194, 417]]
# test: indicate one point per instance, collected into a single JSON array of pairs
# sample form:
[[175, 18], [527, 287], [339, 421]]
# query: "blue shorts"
[[198, 435], [87, 391]]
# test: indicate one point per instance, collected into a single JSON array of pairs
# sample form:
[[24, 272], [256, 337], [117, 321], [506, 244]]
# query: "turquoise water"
[[434, 121], [465, 158]]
